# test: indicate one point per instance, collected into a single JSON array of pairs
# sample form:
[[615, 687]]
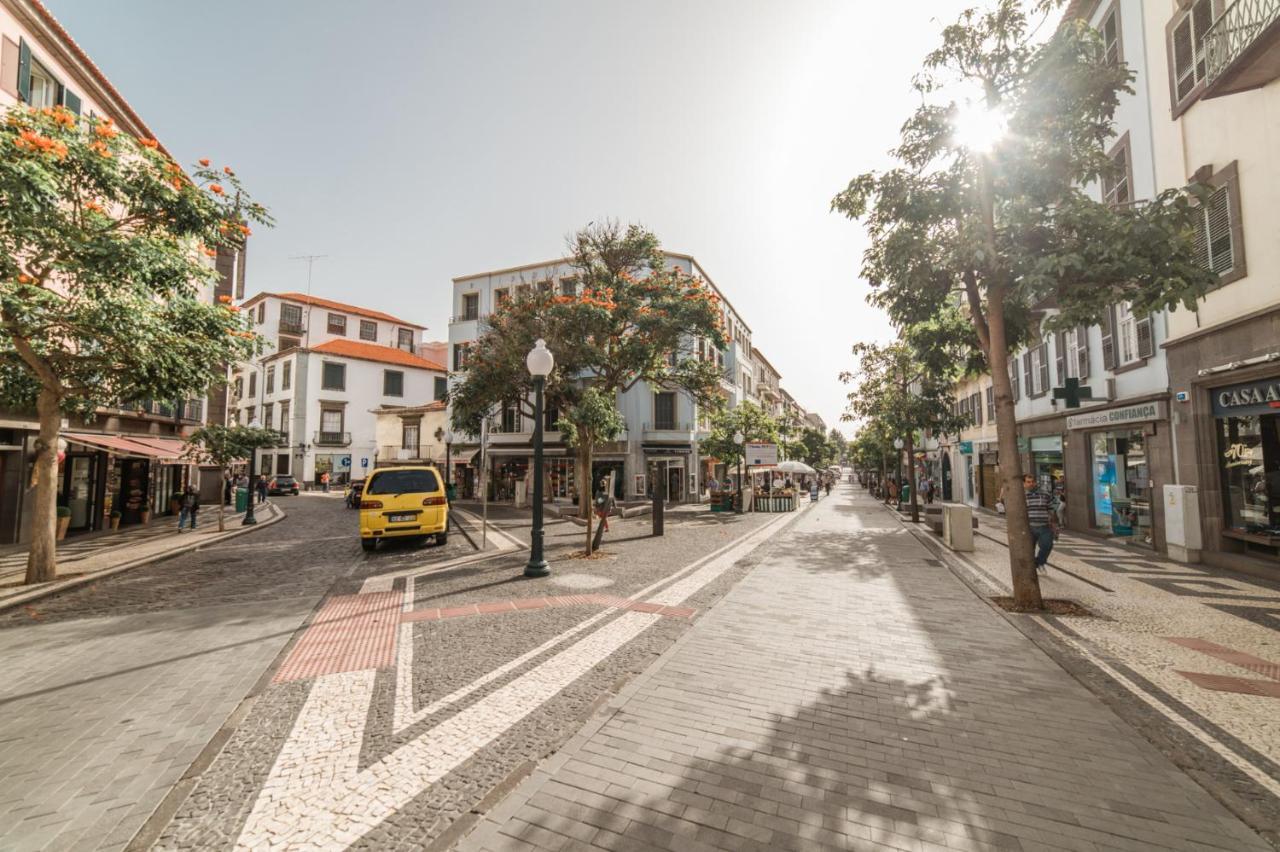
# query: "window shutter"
[[24, 70], [1108, 339], [1146, 340], [71, 100], [1111, 36], [976, 402], [1082, 352], [1044, 367], [1026, 374], [1060, 356], [1013, 379]]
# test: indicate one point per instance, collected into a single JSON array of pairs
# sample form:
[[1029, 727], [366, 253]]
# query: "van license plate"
[[403, 518]]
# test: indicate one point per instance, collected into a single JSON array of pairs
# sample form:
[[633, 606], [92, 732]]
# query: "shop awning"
[[508, 452], [463, 457], [161, 449]]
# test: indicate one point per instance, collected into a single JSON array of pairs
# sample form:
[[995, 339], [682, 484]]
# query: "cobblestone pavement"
[[112, 689], [1188, 653], [416, 693], [853, 693]]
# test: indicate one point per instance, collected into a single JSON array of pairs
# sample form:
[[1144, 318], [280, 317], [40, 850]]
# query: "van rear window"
[[403, 482]]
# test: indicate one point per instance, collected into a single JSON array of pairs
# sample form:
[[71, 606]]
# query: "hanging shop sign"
[[759, 453], [1261, 397], [1139, 413]]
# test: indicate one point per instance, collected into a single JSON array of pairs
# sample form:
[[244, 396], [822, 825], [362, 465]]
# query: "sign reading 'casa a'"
[[1261, 397]]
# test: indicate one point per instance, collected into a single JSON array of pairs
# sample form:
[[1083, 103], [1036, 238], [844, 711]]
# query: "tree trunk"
[[222, 498], [1026, 585], [911, 477], [586, 488], [42, 558]]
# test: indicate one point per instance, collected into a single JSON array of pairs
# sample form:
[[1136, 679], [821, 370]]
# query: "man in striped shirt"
[[1040, 515]]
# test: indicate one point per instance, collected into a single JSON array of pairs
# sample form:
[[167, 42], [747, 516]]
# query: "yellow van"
[[403, 501]]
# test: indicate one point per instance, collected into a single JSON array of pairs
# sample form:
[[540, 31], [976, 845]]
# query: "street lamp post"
[[249, 519], [540, 363], [448, 461], [898, 445], [738, 438]]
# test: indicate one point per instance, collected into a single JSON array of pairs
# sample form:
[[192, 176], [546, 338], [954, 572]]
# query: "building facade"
[[327, 367]]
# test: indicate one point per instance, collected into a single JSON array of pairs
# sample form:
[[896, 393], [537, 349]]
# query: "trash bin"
[[957, 526], [242, 499], [451, 492]]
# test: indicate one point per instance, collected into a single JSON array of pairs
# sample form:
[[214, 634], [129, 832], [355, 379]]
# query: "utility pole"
[[311, 262]]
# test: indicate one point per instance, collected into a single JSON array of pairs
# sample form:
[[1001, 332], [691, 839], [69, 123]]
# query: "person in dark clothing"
[[228, 491], [190, 506], [262, 489]]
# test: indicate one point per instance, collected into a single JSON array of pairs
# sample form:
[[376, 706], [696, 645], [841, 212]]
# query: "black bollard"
[[657, 514]]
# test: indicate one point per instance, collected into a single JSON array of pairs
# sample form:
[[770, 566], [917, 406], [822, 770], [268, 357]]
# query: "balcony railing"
[[1244, 24], [332, 439], [287, 327], [422, 452], [465, 318], [668, 426]]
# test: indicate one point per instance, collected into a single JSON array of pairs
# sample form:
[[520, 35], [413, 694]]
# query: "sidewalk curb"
[[65, 585]]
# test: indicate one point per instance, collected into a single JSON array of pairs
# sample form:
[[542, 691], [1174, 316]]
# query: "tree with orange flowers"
[[103, 280], [634, 320]]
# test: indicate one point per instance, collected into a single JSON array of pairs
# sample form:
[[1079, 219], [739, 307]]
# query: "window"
[[337, 324], [368, 330], [392, 383], [471, 306], [248, 415], [1014, 381], [271, 380], [1036, 362], [239, 386], [550, 416], [284, 422], [268, 411], [43, 91], [1117, 188], [1127, 331], [284, 344], [510, 421], [441, 388], [522, 292], [1071, 339], [262, 314], [333, 376], [282, 464], [1187, 53], [409, 436], [253, 384], [404, 339], [1219, 232], [568, 286], [286, 376], [664, 410], [991, 404], [460, 353], [410, 481], [290, 317], [1109, 29], [501, 296], [331, 423], [975, 408], [544, 286]]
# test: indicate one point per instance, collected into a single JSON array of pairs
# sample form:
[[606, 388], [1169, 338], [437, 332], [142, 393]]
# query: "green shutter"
[[24, 71], [70, 100]]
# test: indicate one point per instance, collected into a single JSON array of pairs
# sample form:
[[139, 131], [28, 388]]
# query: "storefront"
[[1247, 417], [1125, 447], [138, 476]]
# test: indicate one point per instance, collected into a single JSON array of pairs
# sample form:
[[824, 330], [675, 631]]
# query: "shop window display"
[[1249, 457], [1122, 485]]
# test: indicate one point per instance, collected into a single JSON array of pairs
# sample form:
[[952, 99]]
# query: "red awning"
[[163, 449]]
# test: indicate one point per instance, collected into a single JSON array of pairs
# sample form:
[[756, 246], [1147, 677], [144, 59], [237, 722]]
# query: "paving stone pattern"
[[851, 693]]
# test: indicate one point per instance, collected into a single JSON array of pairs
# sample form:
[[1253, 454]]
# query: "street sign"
[[364, 462], [345, 462], [966, 447], [761, 454]]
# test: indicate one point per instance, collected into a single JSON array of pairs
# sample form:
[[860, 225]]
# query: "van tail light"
[[370, 504], [434, 501]]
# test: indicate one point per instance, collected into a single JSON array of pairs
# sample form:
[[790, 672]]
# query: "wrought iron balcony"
[[1241, 47], [332, 439], [667, 427], [288, 327]]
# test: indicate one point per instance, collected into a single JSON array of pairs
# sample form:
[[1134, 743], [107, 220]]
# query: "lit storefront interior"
[[1248, 443]]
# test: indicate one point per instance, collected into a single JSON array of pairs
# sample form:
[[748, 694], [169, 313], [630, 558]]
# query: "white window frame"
[[1037, 387], [1126, 335], [1071, 339]]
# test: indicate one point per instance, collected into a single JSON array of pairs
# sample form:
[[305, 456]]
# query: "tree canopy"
[[750, 419]]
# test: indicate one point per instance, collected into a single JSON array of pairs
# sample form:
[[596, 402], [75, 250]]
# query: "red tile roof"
[[317, 302], [374, 352]]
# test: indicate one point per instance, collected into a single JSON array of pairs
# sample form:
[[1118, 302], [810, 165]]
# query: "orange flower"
[[215, 189], [224, 299], [211, 252], [24, 279], [235, 309], [204, 161], [149, 143], [227, 169], [64, 116], [106, 131], [93, 205], [177, 184], [244, 229]]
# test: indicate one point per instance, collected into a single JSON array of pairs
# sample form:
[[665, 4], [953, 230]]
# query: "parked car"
[[283, 484], [400, 502], [354, 490]]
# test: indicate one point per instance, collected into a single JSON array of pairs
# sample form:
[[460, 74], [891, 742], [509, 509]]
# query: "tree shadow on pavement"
[[854, 552]]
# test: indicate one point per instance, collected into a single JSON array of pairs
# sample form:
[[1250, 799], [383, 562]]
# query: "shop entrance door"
[[78, 491], [946, 478], [990, 485], [675, 484]]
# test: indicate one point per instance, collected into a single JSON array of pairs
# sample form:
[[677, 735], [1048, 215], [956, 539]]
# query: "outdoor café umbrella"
[[791, 466]]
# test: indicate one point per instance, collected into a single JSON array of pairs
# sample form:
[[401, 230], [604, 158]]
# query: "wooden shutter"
[[1060, 356], [70, 100], [1146, 339], [1013, 379], [1111, 35], [9, 67], [1082, 352], [976, 402], [24, 70], [1026, 373], [1108, 339], [1044, 367]]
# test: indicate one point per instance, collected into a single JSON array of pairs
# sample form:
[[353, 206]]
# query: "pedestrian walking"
[[604, 503], [188, 508], [1043, 521], [228, 490], [262, 489], [324, 482]]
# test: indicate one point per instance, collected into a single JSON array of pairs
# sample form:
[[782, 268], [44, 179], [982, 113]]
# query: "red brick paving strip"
[[542, 603], [1240, 685], [1257, 665], [350, 633]]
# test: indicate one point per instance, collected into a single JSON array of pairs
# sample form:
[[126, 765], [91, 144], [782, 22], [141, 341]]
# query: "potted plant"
[[146, 514], [115, 519], [64, 521]]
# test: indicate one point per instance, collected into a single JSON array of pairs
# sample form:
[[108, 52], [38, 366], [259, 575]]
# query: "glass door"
[[79, 493]]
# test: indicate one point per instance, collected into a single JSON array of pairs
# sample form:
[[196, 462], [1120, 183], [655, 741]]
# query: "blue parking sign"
[[364, 462]]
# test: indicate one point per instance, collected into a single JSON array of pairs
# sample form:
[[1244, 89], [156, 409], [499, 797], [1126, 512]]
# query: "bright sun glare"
[[978, 129]]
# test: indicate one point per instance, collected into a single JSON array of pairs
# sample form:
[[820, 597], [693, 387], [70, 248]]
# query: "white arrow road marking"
[[316, 797]]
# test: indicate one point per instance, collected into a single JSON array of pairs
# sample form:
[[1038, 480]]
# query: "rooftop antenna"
[[311, 262]]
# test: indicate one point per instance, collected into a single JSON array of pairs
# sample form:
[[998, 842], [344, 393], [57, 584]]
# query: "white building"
[[659, 448], [327, 367]]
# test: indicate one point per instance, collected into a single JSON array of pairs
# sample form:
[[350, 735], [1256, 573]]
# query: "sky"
[[415, 142]]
